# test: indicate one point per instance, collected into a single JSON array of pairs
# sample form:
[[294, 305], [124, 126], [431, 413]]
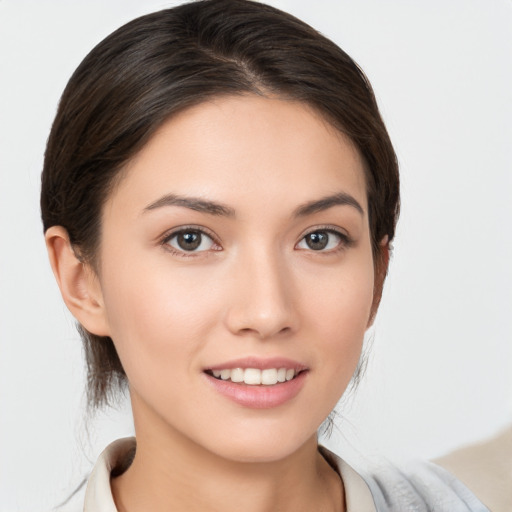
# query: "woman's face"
[[237, 242]]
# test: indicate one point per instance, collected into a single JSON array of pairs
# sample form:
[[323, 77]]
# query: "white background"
[[440, 372]]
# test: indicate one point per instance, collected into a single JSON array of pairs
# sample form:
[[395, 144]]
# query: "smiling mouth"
[[255, 376]]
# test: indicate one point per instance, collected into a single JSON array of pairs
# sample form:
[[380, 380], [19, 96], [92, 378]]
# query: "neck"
[[171, 472]]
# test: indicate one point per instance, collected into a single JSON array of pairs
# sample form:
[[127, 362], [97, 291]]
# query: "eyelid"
[[325, 227]]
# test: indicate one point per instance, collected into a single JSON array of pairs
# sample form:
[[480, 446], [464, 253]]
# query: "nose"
[[263, 297]]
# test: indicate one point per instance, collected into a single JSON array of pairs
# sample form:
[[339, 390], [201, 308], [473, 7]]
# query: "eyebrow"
[[193, 203], [340, 199], [218, 209]]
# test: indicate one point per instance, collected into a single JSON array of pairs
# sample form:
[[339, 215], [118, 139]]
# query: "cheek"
[[342, 294], [340, 303], [157, 319]]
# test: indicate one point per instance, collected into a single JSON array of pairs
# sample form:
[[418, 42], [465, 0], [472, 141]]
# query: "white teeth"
[[252, 376], [237, 375], [255, 377], [269, 376]]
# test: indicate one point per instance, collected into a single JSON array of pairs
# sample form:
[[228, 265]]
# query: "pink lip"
[[259, 363]]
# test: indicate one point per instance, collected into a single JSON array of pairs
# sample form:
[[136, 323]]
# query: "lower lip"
[[259, 397]]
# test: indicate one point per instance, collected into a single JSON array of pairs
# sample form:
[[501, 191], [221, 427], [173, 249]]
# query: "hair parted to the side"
[[165, 62]]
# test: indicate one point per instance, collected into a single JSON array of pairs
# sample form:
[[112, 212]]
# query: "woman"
[[219, 196]]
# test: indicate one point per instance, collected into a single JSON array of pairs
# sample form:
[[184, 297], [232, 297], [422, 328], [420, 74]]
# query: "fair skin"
[[237, 237]]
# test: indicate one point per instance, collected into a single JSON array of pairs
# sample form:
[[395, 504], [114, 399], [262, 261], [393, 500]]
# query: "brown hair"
[[164, 62]]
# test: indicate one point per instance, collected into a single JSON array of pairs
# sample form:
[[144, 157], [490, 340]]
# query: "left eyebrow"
[[324, 203], [193, 203]]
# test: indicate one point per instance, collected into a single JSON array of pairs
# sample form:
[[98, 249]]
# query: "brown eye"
[[321, 240], [317, 241], [190, 241]]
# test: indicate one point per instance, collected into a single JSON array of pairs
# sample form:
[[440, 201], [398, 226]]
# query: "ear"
[[381, 270], [78, 283]]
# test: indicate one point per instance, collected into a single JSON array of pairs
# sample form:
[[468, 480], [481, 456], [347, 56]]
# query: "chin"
[[260, 444]]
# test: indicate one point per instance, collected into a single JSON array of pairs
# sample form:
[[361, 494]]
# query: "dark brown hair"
[[164, 62]]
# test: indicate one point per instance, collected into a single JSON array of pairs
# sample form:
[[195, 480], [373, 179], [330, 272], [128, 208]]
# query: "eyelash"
[[345, 240]]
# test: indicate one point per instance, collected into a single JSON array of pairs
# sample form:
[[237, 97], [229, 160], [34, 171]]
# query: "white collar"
[[98, 495]]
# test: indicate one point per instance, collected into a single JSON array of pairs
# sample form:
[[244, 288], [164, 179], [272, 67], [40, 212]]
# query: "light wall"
[[440, 370]]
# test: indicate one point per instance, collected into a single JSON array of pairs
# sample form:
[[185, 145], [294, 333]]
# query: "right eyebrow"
[[193, 203], [324, 203]]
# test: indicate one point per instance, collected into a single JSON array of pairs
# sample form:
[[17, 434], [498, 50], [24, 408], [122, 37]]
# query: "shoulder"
[[417, 487], [96, 496], [420, 486], [113, 461], [486, 468]]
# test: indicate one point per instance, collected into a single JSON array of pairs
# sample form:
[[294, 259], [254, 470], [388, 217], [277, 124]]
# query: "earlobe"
[[78, 283], [381, 270]]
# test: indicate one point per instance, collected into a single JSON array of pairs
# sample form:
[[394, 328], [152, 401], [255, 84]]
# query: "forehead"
[[242, 147]]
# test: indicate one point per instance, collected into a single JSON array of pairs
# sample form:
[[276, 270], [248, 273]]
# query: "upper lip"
[[259, 363]]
